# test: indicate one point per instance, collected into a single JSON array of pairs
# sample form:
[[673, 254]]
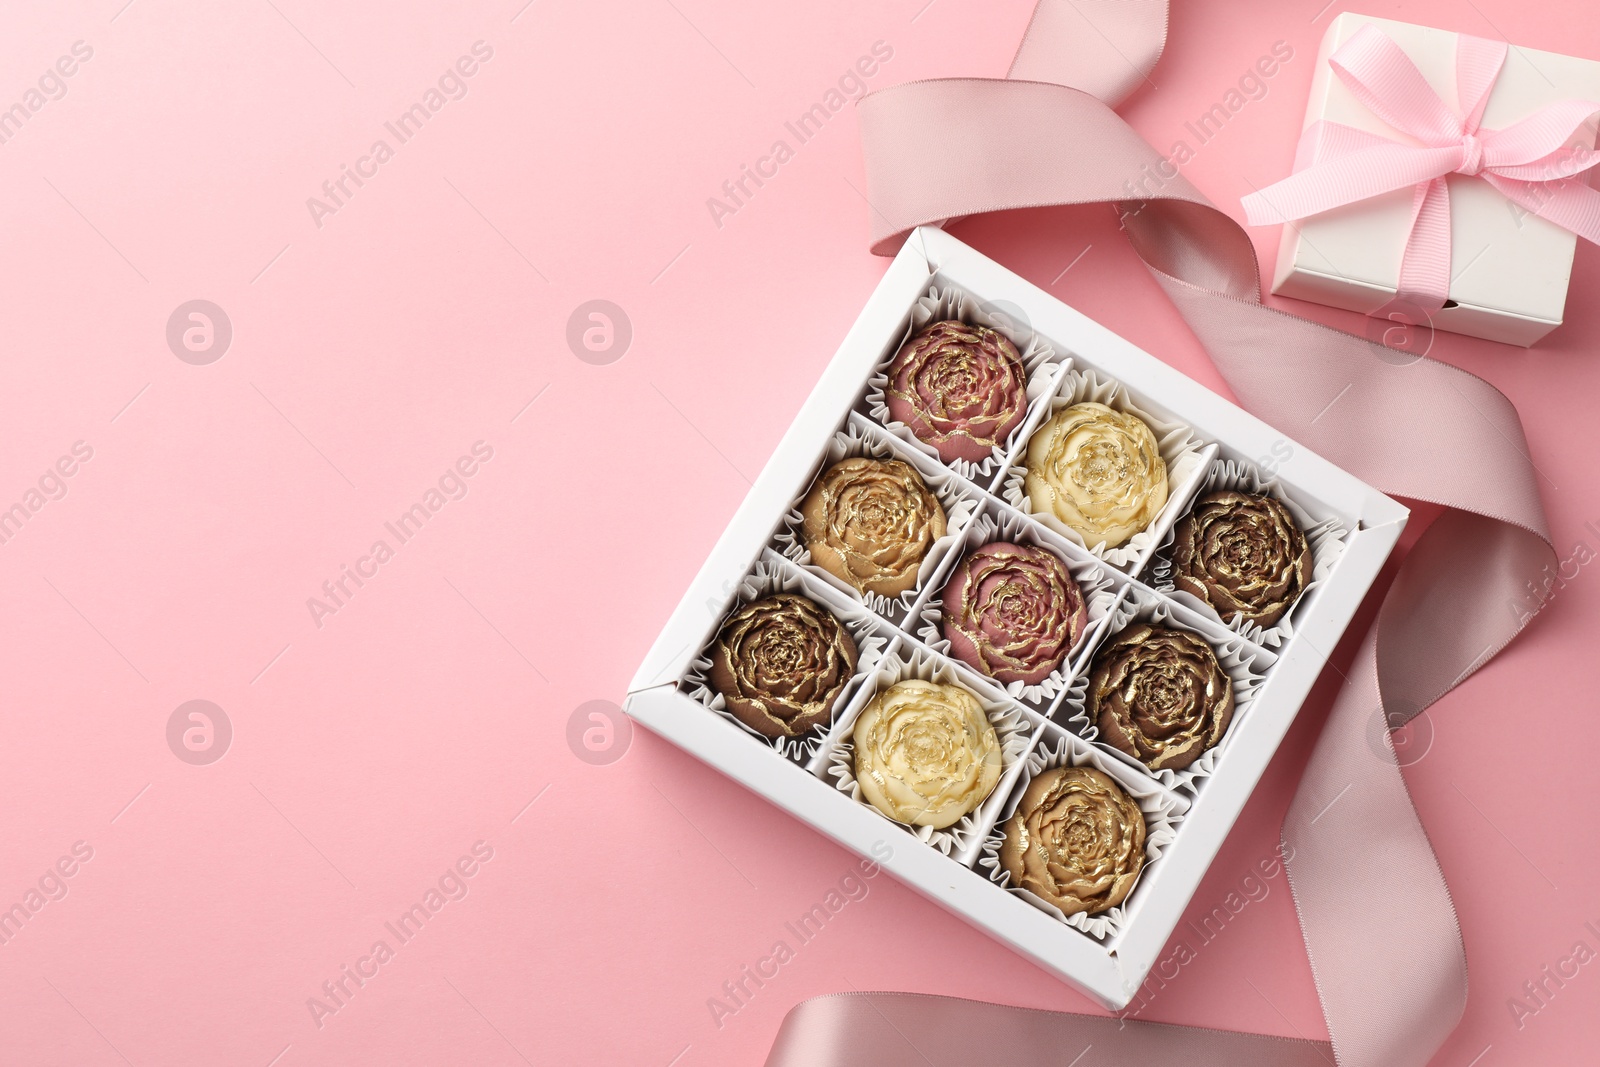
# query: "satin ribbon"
[[1375, 913], [1530, 162]]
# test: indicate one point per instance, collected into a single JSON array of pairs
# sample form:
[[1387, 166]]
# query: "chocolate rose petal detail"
[[780, 663], [959, 388], [1099, 471], [925, 753], [1159, 695], [870, 523], [1243, 554], [1076, 840], [1013, 612]]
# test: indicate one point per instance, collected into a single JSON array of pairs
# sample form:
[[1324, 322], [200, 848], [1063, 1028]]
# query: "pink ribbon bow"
[[1530, 162]]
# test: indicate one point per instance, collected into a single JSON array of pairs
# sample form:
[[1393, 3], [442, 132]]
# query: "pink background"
[[368, 354]]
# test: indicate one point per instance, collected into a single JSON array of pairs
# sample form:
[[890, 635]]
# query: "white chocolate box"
[[1188, 814]]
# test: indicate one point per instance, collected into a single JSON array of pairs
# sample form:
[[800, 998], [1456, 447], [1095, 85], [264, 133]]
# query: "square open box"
[[1351, 529]]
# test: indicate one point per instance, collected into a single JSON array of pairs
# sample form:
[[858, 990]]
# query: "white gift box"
[[1509, 268], [1189, 815]]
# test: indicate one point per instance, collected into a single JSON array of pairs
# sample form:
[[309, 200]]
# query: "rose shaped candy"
[[870, 522], [1243, 554], [959, 388], [1076, 841], [925, 753], [780, 663], [1159, 695], [1013, 612], [1098, 471]]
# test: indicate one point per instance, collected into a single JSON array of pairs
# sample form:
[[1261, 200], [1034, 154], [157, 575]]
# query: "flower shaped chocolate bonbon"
[[1098, 471], [925, 753], [1076, 840], [961, 389], [1159, 695], [780, 663], [1013, 612], [1243, 554], [870, 523]]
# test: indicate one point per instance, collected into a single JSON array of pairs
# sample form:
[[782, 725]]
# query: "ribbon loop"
[[1389, 85]]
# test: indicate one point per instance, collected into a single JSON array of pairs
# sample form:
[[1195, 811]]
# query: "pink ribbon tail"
[[1425, 266]]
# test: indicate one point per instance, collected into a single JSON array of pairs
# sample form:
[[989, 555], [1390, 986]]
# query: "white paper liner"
[[1326, 538], [1185, 455], [1100, 594], [1012, 726], [772, 574], [1038, 362], [1245, 665], [859, 437], [1163, 813]]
